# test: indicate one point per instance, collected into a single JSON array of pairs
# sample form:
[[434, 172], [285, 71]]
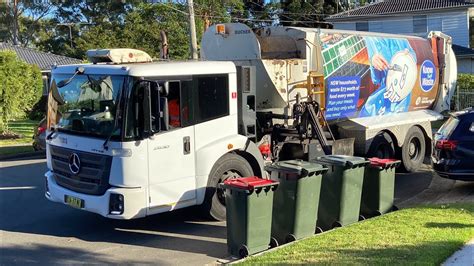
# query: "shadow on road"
[[37, 253], [408, 185], [25, 210]]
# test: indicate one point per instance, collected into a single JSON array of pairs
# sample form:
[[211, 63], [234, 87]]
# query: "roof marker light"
[[118, 56]]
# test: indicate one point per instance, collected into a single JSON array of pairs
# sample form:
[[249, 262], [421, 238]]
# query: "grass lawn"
[[24, 127], [423, 235], [14, 146]]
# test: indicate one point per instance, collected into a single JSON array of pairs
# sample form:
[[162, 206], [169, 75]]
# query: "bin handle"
[[240, 181]]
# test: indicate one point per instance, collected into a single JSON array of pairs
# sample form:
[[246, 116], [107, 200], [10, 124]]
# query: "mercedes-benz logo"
[[74, 163]]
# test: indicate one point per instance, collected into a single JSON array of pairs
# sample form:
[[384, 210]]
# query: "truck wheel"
[[413, 150], [229, 166], [382, 146]]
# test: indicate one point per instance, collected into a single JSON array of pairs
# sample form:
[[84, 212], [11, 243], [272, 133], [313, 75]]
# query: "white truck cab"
[[113, 149]]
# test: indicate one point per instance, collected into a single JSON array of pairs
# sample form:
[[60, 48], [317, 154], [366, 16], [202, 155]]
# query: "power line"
[[378, 20], [236, 18]]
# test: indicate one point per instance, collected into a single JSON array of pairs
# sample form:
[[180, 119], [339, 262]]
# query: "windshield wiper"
[[64, 82], [117, 112]]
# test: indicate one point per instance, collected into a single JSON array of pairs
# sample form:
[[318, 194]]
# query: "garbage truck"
[[128, 137]]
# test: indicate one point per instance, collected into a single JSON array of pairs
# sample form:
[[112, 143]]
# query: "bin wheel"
[[361, 217], [336, 224], [273, 242], [377, 213], [395, 208], [318, 230], [243, 251], [290, 238], [228, 166]]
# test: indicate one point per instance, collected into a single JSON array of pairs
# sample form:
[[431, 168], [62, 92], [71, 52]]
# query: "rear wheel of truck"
[[413, 150], [382, 146], [228, 166]]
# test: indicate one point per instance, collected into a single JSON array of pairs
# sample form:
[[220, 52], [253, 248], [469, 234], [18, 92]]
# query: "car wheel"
[[229, 166]]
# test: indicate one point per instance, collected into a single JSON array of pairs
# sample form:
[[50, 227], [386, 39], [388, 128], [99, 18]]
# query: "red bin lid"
[[382, 162], [248, 183]]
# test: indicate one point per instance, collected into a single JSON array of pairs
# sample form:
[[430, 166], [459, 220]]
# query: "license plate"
[[74, 202]]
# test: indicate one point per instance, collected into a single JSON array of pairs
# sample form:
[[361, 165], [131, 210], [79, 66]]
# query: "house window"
[[419, 24], [362, 26]]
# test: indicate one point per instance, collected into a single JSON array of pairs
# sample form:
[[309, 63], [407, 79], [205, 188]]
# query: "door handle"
[[186, 145]]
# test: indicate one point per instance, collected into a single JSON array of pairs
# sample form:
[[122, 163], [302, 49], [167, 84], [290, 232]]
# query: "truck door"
[[171, 156]]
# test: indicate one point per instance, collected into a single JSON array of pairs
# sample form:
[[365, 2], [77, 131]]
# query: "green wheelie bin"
[[295, 203], [249, 214], [379, 187], [341, 190]]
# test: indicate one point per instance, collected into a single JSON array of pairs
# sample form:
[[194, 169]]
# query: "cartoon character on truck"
[[393, 67]]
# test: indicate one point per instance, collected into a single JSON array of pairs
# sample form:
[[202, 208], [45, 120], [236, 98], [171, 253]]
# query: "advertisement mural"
[[372, 76]]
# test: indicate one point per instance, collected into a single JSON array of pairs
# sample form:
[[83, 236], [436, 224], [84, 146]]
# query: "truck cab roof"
[[153, 69]]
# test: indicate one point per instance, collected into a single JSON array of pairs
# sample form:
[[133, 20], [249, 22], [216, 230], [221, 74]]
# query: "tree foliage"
[[71, 27], [21, 20], [465, 82], [20, 87]]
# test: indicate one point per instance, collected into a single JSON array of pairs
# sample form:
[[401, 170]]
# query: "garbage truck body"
[[383, 90], [128, 137]]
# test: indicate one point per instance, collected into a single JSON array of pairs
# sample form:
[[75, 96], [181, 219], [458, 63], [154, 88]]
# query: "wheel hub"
[[414, 148], [227, 175]]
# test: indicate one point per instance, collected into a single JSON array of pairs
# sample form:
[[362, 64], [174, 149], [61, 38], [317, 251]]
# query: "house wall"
[[455, 24], [465, 65]]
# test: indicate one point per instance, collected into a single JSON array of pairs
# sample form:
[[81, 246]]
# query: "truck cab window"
[[212, 98], [174, 104]]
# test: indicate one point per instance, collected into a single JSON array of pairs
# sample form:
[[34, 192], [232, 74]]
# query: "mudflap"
[[343, 147]]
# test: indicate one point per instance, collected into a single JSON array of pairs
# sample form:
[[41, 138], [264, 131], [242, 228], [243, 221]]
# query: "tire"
[[318, 230], [382, 146], [228, 166], [243, 251], [273, 242], [290, 238], [336, 225], [413, 150]]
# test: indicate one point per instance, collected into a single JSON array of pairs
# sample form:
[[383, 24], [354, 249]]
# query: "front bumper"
[[135, 203]]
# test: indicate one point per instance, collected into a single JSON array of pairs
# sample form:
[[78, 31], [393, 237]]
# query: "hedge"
[[20, 87]]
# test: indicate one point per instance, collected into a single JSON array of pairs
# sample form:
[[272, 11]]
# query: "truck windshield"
[[87, 105]]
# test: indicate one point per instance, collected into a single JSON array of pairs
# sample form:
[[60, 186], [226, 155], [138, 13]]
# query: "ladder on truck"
[[315, 86], [309, 125]]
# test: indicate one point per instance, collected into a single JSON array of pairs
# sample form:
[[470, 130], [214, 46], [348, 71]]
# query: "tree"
[[20, 87], [307, 13], [20, 20]]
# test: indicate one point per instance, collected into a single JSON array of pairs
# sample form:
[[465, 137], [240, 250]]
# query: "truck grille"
[[93, 176]]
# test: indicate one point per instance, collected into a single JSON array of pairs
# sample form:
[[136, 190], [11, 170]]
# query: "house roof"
[[389, 7], [461, 51], [43, 60]]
